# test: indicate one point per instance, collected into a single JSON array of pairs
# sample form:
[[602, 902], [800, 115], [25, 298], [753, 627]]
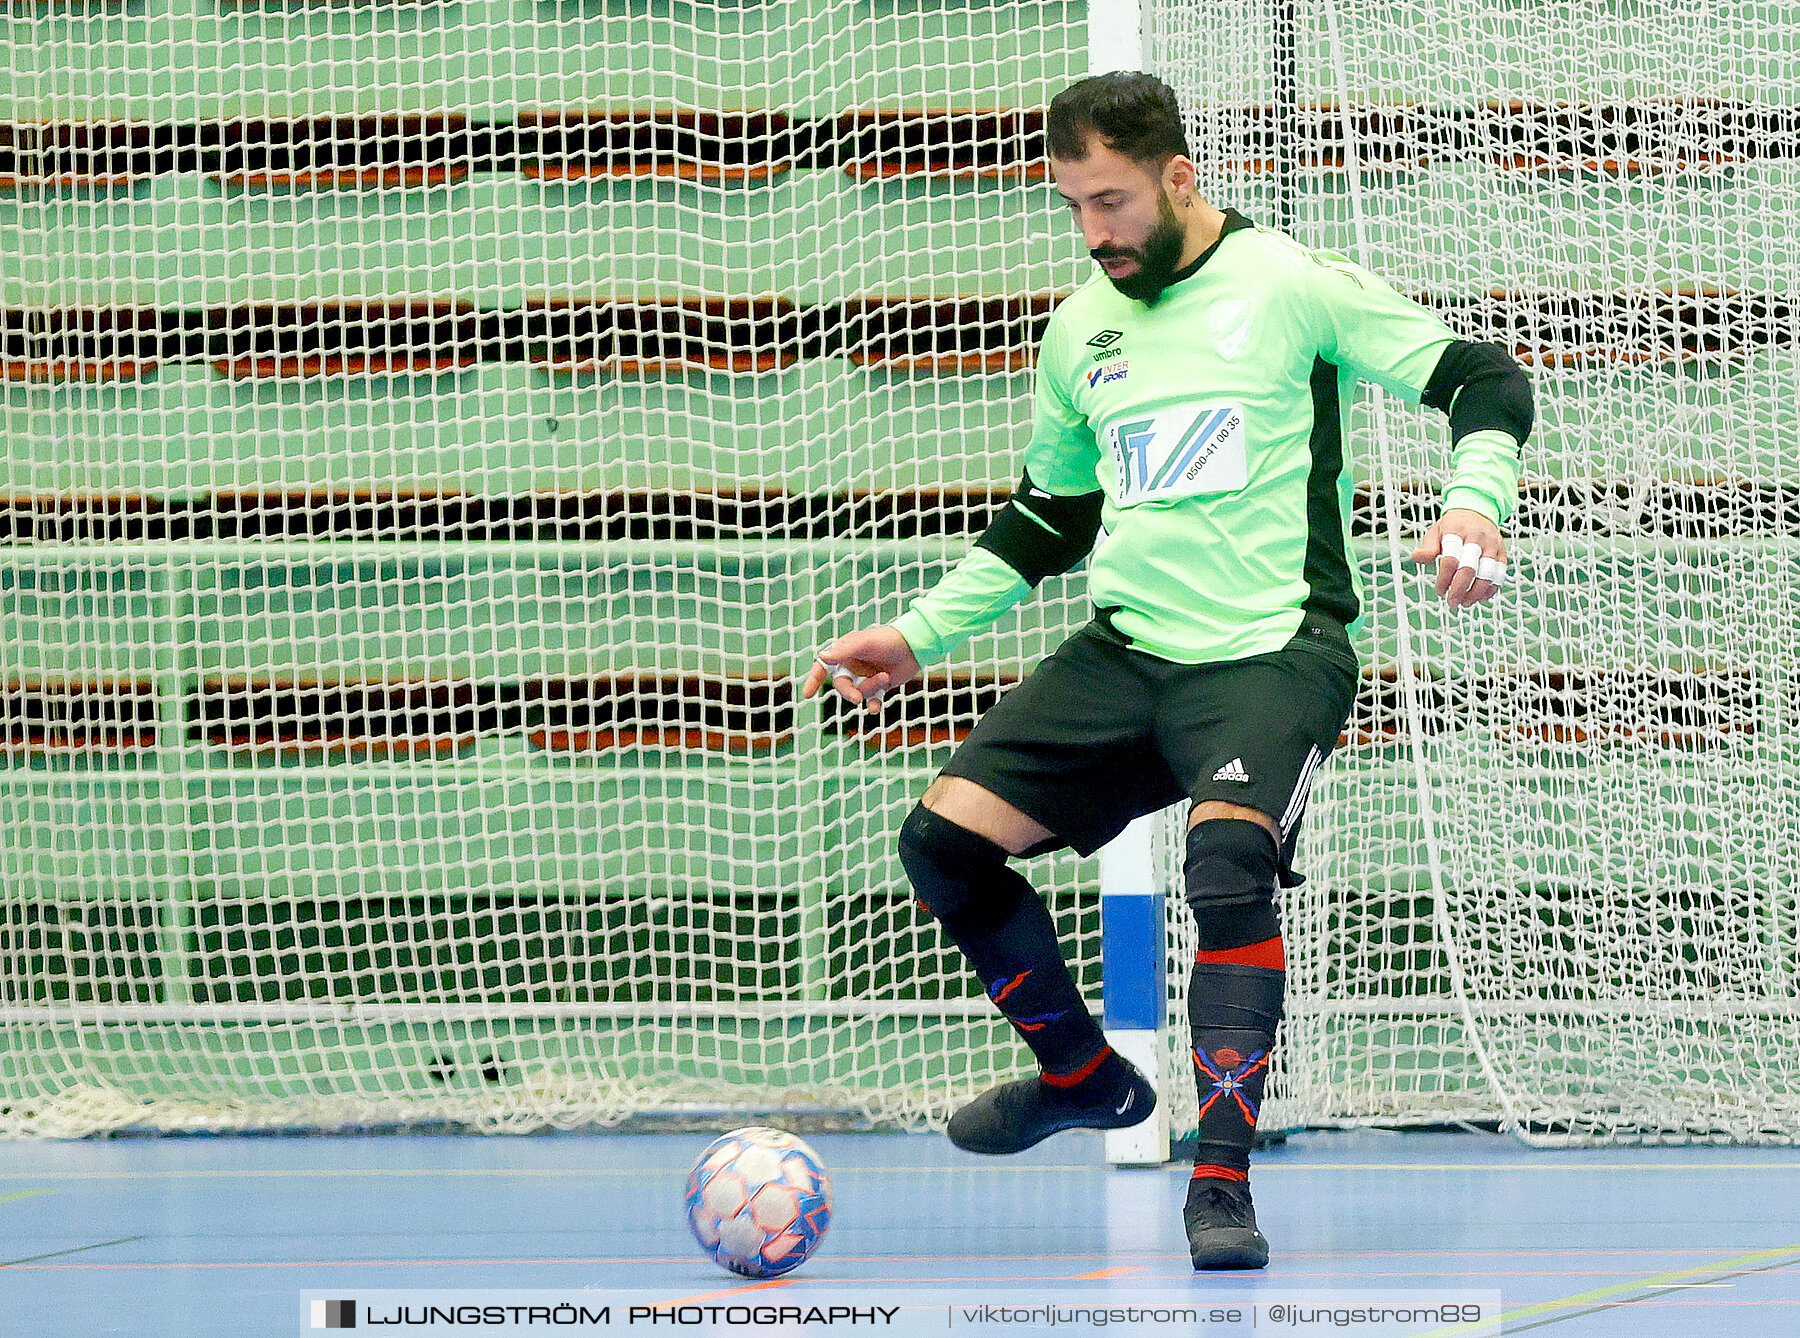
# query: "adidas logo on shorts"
[[1233, 771]]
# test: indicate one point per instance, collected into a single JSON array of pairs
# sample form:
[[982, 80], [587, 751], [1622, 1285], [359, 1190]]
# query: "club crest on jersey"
[[1108, 372], [1230, 323]]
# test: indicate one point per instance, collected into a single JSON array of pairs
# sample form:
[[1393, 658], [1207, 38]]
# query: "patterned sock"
[[1234, 1004]]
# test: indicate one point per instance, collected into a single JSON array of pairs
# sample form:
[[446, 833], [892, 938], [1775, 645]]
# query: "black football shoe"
[[1221, 1226], [1018, 1115]]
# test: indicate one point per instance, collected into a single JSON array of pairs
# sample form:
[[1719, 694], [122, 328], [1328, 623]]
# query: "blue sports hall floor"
[[220, 1236]]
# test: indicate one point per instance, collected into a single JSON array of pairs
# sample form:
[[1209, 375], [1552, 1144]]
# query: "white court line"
[[1264, 1168], [1559, 1167], [574, 1172], [1770, 1260]]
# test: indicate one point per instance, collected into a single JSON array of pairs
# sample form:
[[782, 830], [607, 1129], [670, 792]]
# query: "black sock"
[[1233, 1010], [1021, 964]]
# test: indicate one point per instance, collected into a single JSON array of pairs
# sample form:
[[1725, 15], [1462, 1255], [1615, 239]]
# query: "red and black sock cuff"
[[1081, 1074], [1210, 1172], [1270, 954]]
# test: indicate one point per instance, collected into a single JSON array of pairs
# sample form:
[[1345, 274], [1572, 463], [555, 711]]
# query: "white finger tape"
[[836, 671], [1450, 546], [1471, 556], [1491, 569]]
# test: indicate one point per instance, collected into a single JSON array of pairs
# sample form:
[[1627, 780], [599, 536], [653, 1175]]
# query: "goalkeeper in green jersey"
[[1190, 407]]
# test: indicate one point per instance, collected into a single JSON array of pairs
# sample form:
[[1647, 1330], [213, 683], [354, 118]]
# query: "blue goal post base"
[[1134, 978]]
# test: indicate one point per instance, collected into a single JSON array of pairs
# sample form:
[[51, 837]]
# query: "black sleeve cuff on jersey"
[[1033, 550], [1495, 392]]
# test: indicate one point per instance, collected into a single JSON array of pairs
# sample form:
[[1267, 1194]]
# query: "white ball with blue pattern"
[[758, 1202]]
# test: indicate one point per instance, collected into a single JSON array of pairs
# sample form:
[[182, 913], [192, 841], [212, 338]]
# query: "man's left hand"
[[1469, 571]]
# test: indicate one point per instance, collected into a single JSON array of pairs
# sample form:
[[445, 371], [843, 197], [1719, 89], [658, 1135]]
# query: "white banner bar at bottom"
[[829, 1305]]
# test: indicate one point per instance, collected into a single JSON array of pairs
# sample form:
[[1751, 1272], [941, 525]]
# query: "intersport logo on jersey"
[[1108, 372]]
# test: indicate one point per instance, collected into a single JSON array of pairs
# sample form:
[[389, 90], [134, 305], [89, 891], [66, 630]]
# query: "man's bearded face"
[[1142, 272]]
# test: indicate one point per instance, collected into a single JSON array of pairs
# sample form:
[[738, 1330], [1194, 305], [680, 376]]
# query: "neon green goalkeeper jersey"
[[1213, 423]]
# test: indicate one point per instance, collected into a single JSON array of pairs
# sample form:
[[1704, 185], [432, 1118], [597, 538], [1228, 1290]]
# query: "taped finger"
[[1493, 570], [1450, 546], [1470, 558]]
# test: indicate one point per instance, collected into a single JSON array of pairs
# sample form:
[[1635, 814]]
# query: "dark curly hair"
[[1132, 114]]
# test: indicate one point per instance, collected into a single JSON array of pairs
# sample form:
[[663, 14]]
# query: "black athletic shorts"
[[1101, 734]]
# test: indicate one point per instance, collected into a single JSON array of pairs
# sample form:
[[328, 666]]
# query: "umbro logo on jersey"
[[1233, 771], [1106, 339]]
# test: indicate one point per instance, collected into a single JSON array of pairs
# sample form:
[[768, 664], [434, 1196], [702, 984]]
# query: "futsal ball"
[[758, 1201]]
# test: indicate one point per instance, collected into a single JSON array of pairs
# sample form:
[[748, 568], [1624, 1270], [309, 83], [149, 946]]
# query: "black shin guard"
[[1233, 1011], [992, 914], [1232, 869]]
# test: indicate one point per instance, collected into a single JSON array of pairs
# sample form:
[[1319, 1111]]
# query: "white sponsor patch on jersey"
[[1181, 453]]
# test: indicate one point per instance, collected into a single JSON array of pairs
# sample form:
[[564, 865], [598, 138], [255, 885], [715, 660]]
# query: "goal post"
[[1136, 966], [1135, 985]]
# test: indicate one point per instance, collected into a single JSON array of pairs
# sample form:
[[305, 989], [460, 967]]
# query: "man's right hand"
[[863, 666]]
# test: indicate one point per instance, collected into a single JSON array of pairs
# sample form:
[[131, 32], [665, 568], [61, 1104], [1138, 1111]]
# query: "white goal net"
[[437, 436], [1553, 868]]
